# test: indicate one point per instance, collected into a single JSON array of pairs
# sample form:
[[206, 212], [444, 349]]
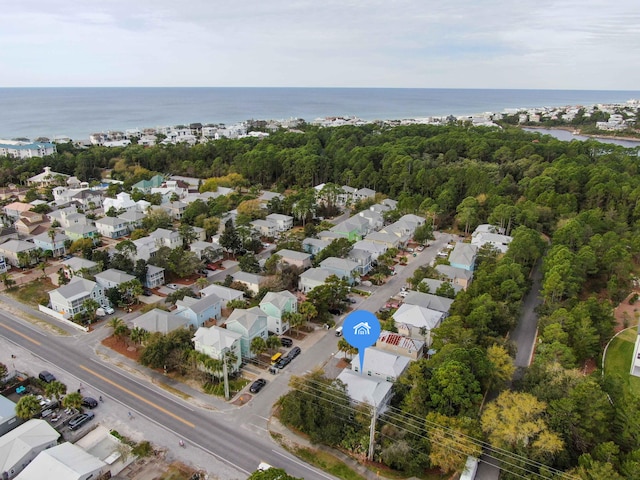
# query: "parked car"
[[80, 420], [339, 331], [392, 305], [420, 248], [173, 286], [443, 254], [46, 377], [108, 310], [89, 402], [283, 362], [286, 342], [403, 293], [212, 267], [335, 311], [147, 292], [294, 352], [257, 385]]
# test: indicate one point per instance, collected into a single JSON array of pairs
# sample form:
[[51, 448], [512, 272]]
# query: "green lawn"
[[618, 359]]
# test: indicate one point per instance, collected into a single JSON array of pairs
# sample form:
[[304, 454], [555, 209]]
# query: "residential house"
[[391, 204], [434, 285], [206, 250], [154, 277], [69, 216], [374, 249], [122, 203], [428, 300], [353, 228], [495, 240], [314, 245], [249, 323], [46, 178], [146, 248], [22, 149], [457, 276], [113, 278], [382, 364], [175, 209], [401, 345], [15, 209], [32, 223], [342, 268], [145, 186], [157, 320], [362, 258], [266, 196], [85, 197], [199, 310], [388, 240], [3, 265], [22, 444], [252, 281], [364, 389], [463, 256], [57, 245], [282, 222], [112, 227], [265, 228], [8, 418], [171, 189], [166, 238], [133, 219], [346, 197], [312, 278], [329, 236], [375, 219], [416, 321], [275, 305], [297, 259], [78, 231], [225, 294], [13, 250], [69, 299], [64, 462], [8, 233], [363, 194], [218, 343], [79, 266]]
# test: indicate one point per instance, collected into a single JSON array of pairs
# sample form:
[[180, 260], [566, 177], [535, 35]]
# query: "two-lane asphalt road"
[[207, 430]]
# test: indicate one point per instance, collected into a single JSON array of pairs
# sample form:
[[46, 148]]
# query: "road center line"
[[138, 397], [20, 333]]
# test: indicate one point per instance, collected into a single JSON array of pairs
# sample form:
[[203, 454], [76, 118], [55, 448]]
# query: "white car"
[[403, 293], [173, 286], [108, 310], [264, 466]]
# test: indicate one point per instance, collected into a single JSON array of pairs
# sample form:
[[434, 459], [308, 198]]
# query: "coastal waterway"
[[566, 135]]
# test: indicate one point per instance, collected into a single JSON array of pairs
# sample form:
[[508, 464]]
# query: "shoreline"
[[590, 135]]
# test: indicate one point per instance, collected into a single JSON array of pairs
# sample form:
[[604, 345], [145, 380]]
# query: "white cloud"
[[395, 43]]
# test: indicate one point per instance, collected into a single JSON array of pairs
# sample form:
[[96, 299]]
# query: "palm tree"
[[294, 319], [273, 343], [73, 400], [28, 407], [308, 311], [258, 345], [55, 389], [378, 278], [7, 280], [202, 283], [115, 322], [138, 335], [52, 236], [121, 332], [43, 266]]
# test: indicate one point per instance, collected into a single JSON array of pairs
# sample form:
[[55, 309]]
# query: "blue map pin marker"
[[361, 329]]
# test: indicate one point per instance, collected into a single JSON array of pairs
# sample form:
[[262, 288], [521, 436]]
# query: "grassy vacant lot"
[[34, 292], [328, 463], [618, 360]]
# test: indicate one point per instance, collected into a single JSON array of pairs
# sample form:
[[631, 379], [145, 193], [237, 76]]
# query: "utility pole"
[[226, 377], [372, 433]]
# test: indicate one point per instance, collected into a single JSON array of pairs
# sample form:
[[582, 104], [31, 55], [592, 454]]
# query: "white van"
[[339, 332]]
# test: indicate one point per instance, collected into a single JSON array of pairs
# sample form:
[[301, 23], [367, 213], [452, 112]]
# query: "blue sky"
[[559, 44]]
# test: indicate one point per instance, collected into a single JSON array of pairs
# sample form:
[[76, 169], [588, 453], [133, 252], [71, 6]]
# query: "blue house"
[[464, 256], [199, 310]]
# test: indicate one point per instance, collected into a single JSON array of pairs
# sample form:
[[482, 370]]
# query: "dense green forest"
[[573, 206]]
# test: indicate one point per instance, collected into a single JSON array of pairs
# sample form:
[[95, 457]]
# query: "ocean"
[[78, 112]]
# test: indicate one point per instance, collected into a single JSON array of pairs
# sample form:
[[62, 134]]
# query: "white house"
[[112, 227], [22, 444], [342, 268], [496, 240], [8, 419], [416, 321], [428, 300], [146, 248], [11, 249], [154, 277], [218, 343], [225, 294], [166, 238], [364, 389], [382, 364], [68, 299], [64, 462], [282, 222], [252, 281], [265, 227], [113, 278], [363, 194], [157, 320], [122, 202], [77, 266], [312, 278], [47, 177]]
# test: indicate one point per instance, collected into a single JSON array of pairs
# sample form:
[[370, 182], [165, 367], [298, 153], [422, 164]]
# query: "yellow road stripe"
[[19, 333], [139, 397]]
